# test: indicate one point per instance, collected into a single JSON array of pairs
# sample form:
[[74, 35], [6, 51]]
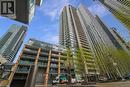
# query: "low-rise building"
[[39, 64]]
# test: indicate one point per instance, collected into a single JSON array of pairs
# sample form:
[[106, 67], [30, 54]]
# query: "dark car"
[[127, 76]]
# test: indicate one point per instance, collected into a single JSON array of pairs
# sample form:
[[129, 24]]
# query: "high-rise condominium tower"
[[115, 37], [11, 41], [73, 35], [80, 29], [20, 10], [120, 8]]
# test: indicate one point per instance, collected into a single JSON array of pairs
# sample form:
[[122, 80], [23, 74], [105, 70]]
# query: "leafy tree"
[[69, 63], [122, 59], [80, 63]]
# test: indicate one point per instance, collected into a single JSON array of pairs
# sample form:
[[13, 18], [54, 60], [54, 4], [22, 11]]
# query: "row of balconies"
[[90, 60], [43, 66], [23, 69], [42, 61], [35, 50], [26, 62], [26, 70]]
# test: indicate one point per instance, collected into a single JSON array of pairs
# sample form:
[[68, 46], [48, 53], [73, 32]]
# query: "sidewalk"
[[115, 84]]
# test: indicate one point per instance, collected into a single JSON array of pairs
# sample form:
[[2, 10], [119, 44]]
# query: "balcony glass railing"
[[42, 64], [43, 58], [44, 54], [29, 50], [22, 70], [28, 56], [26, 62], [54, 60], [55, 55], [54, 65]]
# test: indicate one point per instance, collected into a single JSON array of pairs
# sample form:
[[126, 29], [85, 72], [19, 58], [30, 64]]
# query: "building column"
[[33, 72], [48, 69], [59, 65]]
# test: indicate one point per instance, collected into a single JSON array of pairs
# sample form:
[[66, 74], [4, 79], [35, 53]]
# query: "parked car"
[[55, 81], [73, 80], [103, 79], [80, 81], [60, 80], [127, 76]]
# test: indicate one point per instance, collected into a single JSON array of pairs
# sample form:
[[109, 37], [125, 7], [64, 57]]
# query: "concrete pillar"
[[48, 69], [31, 79]]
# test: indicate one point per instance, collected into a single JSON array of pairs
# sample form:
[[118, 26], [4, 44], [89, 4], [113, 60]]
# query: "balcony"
[[26, 62], [30, 57], [54, 60], [23, 70], [43, 54], [42, 64], [54, 66], [43, 59], [55, 55], [90, 60], [27, 51], [31, 47], [90, 64]]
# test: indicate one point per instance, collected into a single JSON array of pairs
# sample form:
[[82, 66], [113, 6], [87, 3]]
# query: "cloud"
[[54, 39], [98, 9], [48, 33], [53, 8]]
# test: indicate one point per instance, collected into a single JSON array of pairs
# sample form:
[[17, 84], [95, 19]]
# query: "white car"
[[73, 80], [80, 81], [56, 81]]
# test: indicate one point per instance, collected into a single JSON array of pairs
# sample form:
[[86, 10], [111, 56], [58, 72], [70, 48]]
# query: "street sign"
[[7, 8]]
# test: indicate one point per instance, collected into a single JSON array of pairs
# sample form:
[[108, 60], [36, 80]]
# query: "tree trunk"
[[69, 75]]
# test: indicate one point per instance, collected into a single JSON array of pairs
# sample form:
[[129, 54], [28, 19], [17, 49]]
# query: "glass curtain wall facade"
[[12, 41], [72, 35], [120, 8], [122, 42], [80, 29], [24, 10], [115, 37], [103, 46]]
